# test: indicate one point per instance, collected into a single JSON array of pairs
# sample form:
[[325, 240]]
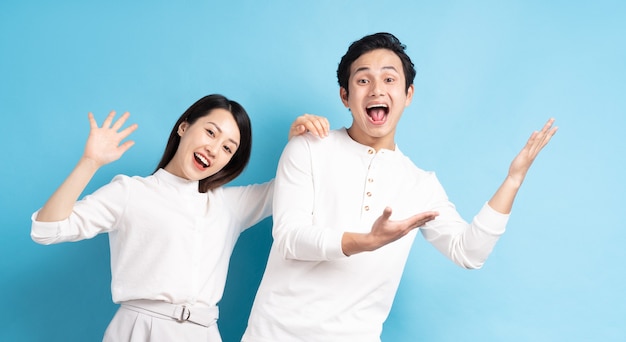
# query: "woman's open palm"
[[104, 144]]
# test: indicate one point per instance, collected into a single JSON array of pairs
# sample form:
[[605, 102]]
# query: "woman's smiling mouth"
[[200, 159]]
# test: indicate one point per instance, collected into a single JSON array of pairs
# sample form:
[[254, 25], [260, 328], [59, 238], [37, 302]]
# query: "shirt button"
[[370, 180], [369, 194], [367, 208], [370, 151]]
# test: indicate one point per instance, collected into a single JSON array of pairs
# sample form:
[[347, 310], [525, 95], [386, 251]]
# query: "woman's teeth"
[[201, 159]]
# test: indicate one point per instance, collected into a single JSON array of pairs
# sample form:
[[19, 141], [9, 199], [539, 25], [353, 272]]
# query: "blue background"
[[489, 73]]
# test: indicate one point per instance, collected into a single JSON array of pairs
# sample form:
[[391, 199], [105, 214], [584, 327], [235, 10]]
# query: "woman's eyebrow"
[[219, 129]]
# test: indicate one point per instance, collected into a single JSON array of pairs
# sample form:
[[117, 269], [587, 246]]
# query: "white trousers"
[[132, 324]]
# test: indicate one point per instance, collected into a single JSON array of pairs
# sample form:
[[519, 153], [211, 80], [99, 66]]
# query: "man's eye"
[[389, 79], [362, 81]]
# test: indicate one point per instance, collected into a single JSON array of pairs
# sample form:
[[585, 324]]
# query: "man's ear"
[[343, 93], [409, 95]]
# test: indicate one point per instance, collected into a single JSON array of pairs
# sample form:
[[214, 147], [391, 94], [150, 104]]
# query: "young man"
[[336, 262]]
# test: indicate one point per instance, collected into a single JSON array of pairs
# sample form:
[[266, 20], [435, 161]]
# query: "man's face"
[[377, 98]]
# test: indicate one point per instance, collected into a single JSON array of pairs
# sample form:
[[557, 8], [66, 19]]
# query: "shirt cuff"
[[491, 221], [335, 251]]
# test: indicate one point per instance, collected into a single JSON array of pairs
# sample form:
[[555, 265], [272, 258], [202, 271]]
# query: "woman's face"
[[206, 146]]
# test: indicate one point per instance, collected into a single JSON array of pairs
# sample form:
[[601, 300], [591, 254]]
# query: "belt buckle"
[[185, 314]]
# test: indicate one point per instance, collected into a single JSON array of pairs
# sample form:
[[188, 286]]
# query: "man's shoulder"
[[333, 134], [409, 165]]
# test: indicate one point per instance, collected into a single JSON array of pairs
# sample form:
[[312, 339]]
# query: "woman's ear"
[[182, 127]]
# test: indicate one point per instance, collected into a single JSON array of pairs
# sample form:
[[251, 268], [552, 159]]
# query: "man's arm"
[[385, 231], [502, 200]]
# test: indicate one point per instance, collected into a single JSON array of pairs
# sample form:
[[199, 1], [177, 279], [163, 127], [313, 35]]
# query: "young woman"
[[171, 233]]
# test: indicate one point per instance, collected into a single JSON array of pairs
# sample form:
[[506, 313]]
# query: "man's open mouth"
[[378, 112]]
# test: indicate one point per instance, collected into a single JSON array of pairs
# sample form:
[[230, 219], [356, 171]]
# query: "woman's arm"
[[102, 147]]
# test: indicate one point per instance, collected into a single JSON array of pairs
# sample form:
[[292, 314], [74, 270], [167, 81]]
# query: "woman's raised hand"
[[104, 144]]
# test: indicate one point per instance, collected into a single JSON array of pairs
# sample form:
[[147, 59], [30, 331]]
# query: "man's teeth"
[[377, 106], [201, 159]]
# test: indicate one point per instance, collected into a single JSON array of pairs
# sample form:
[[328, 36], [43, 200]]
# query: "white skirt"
[[131, 324]]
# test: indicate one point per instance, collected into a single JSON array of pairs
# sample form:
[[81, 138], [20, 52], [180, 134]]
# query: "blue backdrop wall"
[[489, 73]]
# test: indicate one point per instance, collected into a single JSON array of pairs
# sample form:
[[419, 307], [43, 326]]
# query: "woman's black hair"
[[369, 43], [240, 159]]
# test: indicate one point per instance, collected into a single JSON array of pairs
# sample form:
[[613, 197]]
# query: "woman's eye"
[[210, 132], [228, 149]]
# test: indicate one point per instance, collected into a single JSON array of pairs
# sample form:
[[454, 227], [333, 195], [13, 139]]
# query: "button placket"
[[369, 183]]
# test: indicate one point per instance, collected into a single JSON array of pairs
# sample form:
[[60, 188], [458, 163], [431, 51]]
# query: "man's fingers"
[[386, 213], [422, 218]]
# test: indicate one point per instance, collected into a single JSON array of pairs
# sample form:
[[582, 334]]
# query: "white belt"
[[182, 313]]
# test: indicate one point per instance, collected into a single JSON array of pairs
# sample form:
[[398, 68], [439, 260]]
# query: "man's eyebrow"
[[366, 68], [219, 129], [390, 67]]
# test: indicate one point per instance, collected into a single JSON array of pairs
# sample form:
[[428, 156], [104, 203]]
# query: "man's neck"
[[377, 143]]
